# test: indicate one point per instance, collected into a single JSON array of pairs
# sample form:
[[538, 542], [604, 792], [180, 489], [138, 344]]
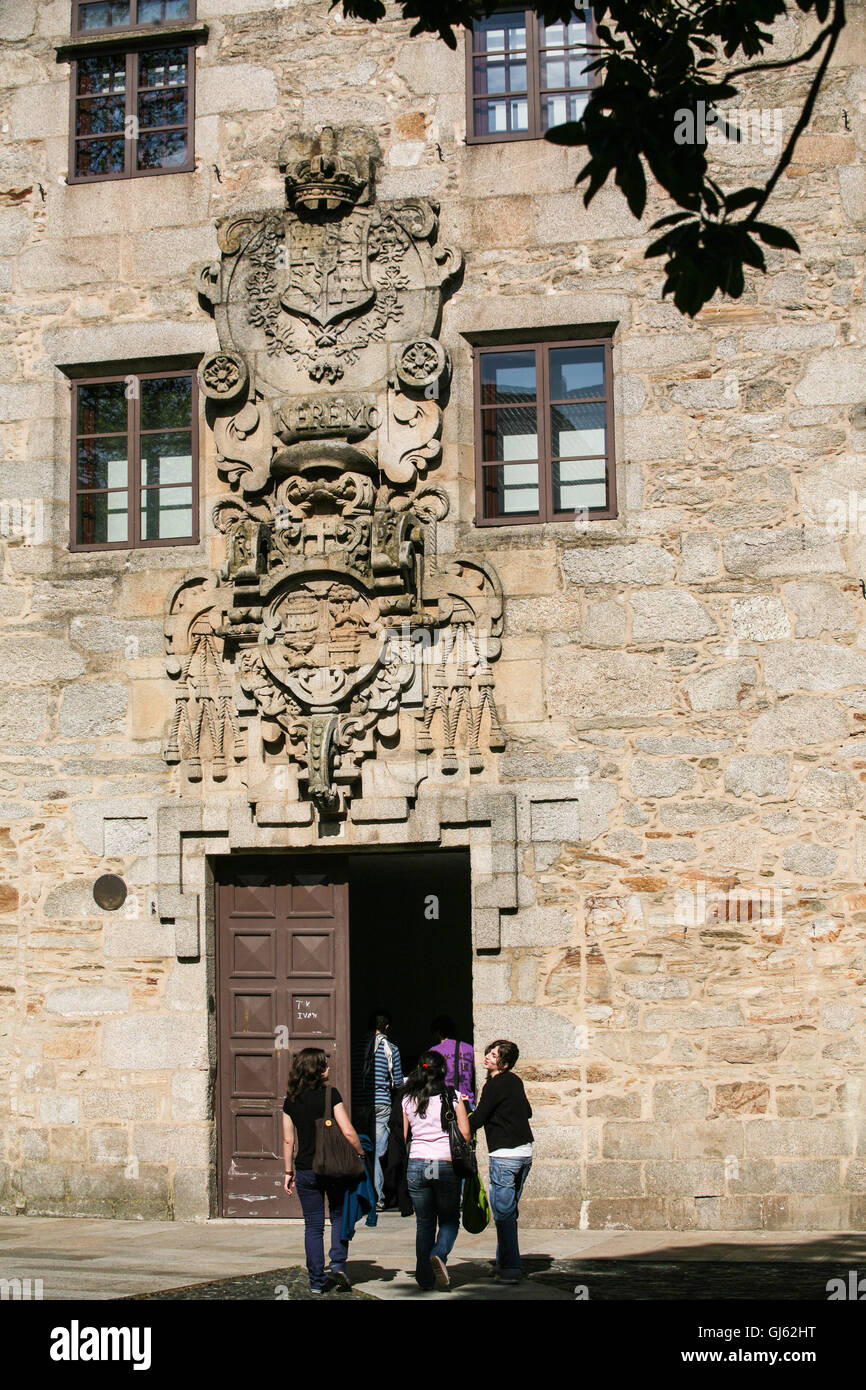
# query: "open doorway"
[[410, 944]]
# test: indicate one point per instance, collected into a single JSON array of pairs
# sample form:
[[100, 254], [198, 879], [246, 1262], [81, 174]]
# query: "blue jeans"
[[507, 1176], [435, 1191], [383, 1116], [311, 1190]]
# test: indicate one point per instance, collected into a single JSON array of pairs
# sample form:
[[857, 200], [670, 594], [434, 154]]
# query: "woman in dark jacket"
[[304, 1104], [503, 1113]]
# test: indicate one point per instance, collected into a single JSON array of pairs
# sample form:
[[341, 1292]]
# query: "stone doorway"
[[306, 947]]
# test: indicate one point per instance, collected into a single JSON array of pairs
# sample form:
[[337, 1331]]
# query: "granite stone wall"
[[675, 849]]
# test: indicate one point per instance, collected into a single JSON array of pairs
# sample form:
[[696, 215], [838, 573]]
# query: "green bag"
[[476, 1208]]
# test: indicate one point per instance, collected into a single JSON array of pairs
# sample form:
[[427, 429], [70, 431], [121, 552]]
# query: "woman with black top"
[[503, 1113], [304, 1104]]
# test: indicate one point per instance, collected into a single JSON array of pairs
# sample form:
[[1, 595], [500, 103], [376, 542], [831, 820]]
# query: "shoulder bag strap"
[[329, 1104]]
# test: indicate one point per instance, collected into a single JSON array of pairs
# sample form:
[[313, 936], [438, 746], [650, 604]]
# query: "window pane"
[[166, 457], [100, 76], [507, 377], [149, 11], [156, 109], [102, 462], [100, 115], [166, 401], [511, 489], [563, 71], [556, 110], [510, 433], [499, 32], [176, 9], [166, 513], [102, 408], [164, 67], [560, 36], [102, 516], [104, 15], [491, 117], [162, 151], [518, 115], [100, 157], [578, 430], [578, 484], [576, 372]]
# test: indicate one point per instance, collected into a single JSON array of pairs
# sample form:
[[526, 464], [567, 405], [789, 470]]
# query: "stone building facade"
[[594, 783]]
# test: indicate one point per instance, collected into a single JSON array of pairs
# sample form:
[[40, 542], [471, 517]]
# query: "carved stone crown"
[[326, 180]]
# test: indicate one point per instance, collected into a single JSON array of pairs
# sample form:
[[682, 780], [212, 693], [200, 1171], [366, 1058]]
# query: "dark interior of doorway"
[[410, 942]]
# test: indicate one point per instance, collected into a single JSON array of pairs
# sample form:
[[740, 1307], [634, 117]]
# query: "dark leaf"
[[775, 236]]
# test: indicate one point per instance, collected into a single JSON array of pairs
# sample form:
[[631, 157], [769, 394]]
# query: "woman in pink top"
[[433, 1185]]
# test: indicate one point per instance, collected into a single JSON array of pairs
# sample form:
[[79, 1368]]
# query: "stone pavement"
[[91, 1260]]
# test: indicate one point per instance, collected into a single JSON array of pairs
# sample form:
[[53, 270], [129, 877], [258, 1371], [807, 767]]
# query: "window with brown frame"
[[132, 113], [524, 76], [135, 461], [544, 432], [95, 16]]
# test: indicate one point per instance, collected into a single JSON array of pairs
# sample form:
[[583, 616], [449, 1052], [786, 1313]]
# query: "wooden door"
[[283, 984]]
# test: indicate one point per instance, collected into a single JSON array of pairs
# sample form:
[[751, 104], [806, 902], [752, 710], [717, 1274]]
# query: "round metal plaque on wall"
[[109, 892]]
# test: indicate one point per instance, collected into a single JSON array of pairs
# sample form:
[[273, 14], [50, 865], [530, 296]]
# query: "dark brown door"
[[283, 980]]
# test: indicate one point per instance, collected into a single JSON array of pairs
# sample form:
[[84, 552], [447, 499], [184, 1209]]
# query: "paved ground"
[[88, 1259]]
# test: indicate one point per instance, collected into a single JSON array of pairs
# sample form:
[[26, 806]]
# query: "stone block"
[[607, 685], [782, 551], [109, 1144], [562, 218], [155, 1042], [191, 1096], [87, 1001], [670, 615], [679, 1100], [799, 722], [760, 618], [762, 776], [700, 557], [555, 820], [80, 261], [726, 687], [59, 1110], [826, 789], [92, 709], [815, 1176], [697, 815], [612, 1179], [711, 1138], [838, 1016], [819, 607], [685, 1177], [636, 1139], [812, 861], [660, 778], [35, 659], [834, 377], [537, 926], [800, 666], [17, 19], [742, 1098], [558, 1141], [127, 1103], [605, 624], [637, 562], [188, 1145], [501, 222], [191, 1194], [800, 1138], [541, 1032], [229, 87]]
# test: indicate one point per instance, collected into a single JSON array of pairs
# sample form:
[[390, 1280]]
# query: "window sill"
[[168, 35]]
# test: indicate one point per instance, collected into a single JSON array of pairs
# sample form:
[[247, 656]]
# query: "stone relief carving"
[[333, 630]]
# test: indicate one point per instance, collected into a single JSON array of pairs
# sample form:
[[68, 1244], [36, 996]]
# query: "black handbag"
[[462, 1152], [334, 1156]]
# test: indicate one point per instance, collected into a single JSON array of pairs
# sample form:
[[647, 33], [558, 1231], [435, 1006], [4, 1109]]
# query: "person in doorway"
[[503, 1113], [381, 1073], [304, 1104], [433, 1185], [459, 1056]]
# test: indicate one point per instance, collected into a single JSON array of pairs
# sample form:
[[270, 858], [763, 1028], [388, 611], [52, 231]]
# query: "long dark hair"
[[307, 1073], [428, 1079]]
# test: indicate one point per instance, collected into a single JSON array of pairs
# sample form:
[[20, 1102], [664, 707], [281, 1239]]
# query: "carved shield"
[[329, 275]]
